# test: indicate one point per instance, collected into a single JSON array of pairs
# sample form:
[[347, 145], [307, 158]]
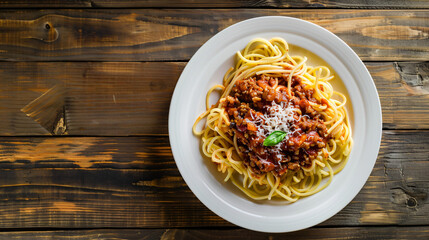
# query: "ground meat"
[[249, 99]]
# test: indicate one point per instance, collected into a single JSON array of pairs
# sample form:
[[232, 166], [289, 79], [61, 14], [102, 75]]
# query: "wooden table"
[[85, 88]]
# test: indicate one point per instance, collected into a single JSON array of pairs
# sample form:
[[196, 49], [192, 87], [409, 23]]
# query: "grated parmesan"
[[278, 117]]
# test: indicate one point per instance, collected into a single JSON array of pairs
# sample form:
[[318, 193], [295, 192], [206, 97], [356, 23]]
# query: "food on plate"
[[279, 128]]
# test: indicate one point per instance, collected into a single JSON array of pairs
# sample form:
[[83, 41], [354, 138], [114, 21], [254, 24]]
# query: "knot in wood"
[[411, 202], [52, 33]]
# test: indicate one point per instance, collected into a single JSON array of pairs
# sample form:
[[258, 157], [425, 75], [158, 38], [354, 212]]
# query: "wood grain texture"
[[122, 182], [403, 92], [213, 4], [175, 34], [378, 233], [130, 98], [98, 98]]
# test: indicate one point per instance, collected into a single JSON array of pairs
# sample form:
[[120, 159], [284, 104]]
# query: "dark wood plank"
[[72, 182], [175, 34], [97, 98], [45, 4], [212, 4], [130, 98], [225, 234]]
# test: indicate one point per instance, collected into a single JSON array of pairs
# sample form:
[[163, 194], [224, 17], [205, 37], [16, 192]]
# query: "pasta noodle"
[[315, 125]]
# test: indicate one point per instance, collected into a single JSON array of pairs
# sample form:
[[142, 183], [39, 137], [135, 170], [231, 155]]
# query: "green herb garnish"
[[274, 138]]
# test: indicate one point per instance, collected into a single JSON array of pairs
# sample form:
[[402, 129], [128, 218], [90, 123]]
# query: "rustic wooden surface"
[[213, 4], [226, 234], [175, 34], [85, 87]]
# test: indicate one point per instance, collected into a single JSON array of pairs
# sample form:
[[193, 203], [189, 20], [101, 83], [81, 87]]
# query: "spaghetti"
[[276, 130]]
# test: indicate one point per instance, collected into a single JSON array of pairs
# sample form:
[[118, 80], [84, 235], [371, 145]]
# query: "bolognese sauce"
[[259, 105]]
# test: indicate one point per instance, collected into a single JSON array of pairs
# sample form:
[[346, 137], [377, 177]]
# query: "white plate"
[[207, 68]]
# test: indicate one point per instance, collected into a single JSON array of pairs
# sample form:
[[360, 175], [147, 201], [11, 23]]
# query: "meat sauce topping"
[[259, 105]]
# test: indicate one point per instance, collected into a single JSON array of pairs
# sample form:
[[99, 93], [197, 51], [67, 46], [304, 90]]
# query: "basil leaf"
[[274, 138]]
